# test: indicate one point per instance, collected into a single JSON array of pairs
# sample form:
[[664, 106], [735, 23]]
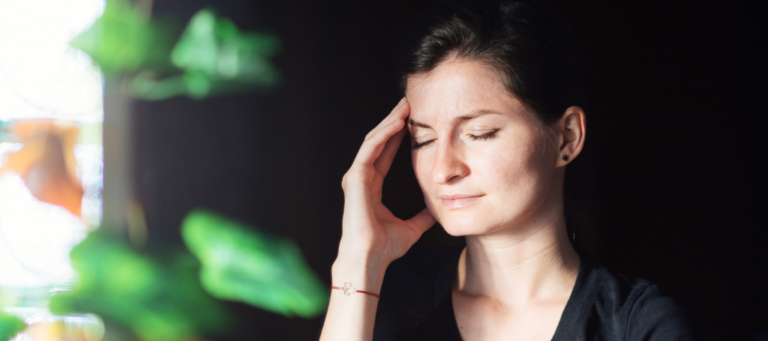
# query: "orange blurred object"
[[48, 327], [47, 162]]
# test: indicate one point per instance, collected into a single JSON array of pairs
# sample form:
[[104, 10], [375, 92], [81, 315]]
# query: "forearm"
[[351, 318]]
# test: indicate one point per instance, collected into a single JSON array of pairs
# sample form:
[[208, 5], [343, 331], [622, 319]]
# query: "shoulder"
[[631, 308], [413, 287]]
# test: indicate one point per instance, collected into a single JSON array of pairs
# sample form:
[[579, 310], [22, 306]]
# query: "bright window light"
[[41, 77]]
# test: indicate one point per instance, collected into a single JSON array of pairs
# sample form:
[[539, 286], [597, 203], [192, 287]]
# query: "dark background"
[[669, 188]]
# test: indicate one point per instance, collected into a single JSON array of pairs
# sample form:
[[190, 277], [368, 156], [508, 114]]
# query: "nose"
[[449, 164]]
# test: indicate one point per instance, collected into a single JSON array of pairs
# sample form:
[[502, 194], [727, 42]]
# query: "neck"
[[534, 261]]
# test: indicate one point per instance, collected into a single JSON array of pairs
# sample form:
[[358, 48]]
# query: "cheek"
[[422, 167], [514, 166], [495, 169]]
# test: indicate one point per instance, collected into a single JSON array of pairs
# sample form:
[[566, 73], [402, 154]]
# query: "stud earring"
[[565, 157]]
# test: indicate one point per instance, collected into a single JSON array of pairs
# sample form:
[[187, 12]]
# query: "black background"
[[669, 189]]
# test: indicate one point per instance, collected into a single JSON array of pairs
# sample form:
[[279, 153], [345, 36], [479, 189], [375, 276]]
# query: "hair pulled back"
[[530, 46]]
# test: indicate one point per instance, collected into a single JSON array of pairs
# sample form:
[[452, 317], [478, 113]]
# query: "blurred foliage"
[[124, 38], [10, 326], [244, 264], [214, 47], [163, 297], [212, 57], [216, 58], [158, 298]]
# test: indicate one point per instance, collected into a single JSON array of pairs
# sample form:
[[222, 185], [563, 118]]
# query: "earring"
[[565, 157]]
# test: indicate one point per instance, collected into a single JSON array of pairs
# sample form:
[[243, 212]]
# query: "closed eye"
[[486, 136], [417, 145]]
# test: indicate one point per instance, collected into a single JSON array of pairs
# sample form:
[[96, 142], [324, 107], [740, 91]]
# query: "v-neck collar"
[[582, 296]]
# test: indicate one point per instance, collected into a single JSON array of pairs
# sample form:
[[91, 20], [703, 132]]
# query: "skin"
[[490, 171]]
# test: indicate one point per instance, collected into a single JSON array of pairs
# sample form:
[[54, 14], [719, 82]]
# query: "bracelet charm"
[[348, 289]]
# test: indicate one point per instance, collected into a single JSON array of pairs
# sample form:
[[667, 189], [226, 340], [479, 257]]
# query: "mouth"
[[453, 202]]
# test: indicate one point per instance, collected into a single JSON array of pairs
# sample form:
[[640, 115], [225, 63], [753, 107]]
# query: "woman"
[[491, 103]]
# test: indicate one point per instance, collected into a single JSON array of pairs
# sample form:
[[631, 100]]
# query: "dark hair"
[[526, 41]]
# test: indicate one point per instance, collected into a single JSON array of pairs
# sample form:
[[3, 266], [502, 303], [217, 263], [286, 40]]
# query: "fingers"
[[374, 143], [422, 221], [394, 111], [384, 161]]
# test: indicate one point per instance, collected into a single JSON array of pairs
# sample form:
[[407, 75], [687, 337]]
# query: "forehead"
[[459, 87]]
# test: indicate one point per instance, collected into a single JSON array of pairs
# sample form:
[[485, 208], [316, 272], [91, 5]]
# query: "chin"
[[464, 224], [459, 231], [476, 221], [457, 223]]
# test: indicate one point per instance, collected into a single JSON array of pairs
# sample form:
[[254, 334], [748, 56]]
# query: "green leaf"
[[213, 46], [216, 58], [10, 326], [244, 264], [125, 39], [158, 298], [212, 57]]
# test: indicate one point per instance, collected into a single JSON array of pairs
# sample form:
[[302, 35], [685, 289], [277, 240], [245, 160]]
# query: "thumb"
[[421, 222]]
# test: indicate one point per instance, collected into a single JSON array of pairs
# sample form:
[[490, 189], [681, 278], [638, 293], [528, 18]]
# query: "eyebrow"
[[455, 120]]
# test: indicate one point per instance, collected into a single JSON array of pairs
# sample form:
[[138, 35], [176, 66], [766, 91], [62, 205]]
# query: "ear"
[[572, 128]]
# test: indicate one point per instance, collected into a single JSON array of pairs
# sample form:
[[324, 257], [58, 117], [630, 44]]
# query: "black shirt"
[[416, 304]]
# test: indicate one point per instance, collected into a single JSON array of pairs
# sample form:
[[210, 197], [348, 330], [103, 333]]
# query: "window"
[[46, 87]]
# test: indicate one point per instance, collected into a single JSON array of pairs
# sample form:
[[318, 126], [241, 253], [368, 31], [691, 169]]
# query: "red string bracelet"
[[347, 289]]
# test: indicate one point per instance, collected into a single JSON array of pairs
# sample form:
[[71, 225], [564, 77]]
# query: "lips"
[[457, 201]]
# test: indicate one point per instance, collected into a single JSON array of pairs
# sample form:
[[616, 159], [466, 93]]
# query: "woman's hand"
[[370, 232], [372, 237]]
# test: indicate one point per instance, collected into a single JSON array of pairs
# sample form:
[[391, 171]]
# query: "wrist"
[[363, 273]]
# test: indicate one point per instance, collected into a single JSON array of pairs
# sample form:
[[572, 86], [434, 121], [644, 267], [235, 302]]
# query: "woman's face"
[[483, 161]]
